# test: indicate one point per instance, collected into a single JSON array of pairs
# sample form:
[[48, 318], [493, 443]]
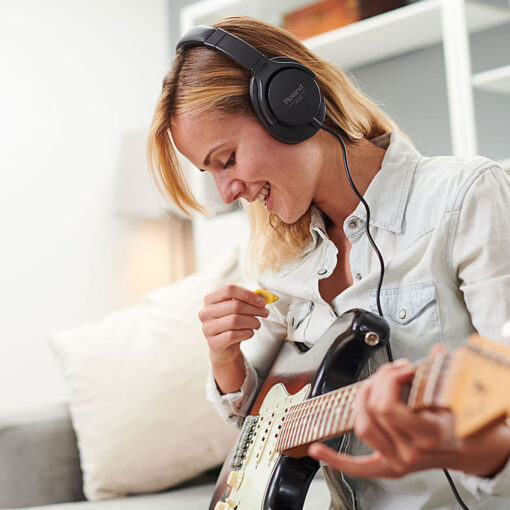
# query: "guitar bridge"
[[244, 442]]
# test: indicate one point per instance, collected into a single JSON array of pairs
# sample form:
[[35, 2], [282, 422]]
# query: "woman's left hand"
[[404, 441]]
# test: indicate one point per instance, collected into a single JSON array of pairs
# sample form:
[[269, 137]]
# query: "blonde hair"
[[203, 80]]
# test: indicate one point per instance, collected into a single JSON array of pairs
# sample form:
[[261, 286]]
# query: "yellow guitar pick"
[[268, 296]]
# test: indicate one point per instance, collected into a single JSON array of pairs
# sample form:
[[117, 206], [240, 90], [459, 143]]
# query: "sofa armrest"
[[39, 460]]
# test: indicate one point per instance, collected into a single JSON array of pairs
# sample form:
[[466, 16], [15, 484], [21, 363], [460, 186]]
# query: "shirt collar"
[[388, 192]]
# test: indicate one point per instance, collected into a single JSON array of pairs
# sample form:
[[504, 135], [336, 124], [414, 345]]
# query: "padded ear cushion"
[[288, 115]]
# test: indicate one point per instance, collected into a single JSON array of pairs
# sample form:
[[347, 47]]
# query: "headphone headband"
[[283, 92], [217, 39]]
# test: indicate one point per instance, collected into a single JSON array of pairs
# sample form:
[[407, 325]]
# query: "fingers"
[[366, 428], [232, 291], [364, 466], [230, 323], [231, 306], [377, 404], [405, 440], [437, 349], [229, 316]]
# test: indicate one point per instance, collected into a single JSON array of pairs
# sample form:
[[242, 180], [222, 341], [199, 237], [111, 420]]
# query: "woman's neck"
[[335, 196]]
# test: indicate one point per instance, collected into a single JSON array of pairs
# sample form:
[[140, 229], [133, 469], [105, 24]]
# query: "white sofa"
[[39, 465], [137, 431], [40, 469]]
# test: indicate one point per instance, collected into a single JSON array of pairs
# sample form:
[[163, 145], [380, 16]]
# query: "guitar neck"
[[332, 414]]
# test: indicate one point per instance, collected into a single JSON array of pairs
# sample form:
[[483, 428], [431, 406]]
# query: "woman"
[[440, 224]]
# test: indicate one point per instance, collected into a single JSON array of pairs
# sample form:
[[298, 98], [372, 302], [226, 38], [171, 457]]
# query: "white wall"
[[74, 76]]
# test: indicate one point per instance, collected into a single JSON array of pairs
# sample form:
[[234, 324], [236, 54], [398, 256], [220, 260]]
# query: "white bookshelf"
[[409, 28], [397, 32], [494, 80], [393, 33]]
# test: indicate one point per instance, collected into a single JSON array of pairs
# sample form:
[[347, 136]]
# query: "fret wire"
[[300, 414], [413, 395], [324, 411], [432, 379], [318, 417], [316, 410], [339, 412], [344, 414], [324, 414], [336, 404], [301, 423], [351, 410], [296, 425], [332, 410], [306, 419], [286, 427]]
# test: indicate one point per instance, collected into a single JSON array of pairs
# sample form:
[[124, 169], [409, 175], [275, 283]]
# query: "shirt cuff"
[[498, 485], [233, 407]]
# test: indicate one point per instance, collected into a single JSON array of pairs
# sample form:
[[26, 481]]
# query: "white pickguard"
[[252, 480]]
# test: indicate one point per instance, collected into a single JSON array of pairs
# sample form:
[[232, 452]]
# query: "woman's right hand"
[[229, 316]]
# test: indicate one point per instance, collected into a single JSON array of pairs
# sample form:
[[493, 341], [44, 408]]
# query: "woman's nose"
[[230, 189]]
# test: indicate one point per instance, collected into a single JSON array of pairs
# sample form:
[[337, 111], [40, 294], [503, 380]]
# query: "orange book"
[[321, 17]]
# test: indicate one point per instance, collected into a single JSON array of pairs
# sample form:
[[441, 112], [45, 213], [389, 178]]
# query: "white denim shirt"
[[442, 225]]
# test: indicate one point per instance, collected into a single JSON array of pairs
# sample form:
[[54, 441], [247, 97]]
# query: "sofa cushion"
[[39, 457], [195, 497], [136, 382]]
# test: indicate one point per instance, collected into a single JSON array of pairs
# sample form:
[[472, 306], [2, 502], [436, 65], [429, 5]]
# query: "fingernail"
[[261, 300], [401, 362]]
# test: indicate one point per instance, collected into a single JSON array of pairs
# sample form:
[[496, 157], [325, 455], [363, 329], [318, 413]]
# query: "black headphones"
[[283, 92]]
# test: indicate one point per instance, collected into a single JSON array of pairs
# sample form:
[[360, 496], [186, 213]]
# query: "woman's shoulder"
[[443, 180], [438, 188]]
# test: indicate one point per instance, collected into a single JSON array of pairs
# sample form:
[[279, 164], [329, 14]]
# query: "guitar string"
[[309, 401], [294, 424], [339, 403]]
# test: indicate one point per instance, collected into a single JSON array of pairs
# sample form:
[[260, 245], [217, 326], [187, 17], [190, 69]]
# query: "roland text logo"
[[292, 96]]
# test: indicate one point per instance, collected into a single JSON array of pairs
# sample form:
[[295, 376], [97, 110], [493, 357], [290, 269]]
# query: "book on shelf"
[[326, 15]]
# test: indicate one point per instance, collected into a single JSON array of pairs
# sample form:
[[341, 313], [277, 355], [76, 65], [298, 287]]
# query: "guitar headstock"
[[477, 387]]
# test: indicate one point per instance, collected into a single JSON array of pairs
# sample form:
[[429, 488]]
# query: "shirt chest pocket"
[[298, 320], [412, 313]]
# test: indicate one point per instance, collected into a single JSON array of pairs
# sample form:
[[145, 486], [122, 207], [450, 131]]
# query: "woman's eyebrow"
[[206, 160]]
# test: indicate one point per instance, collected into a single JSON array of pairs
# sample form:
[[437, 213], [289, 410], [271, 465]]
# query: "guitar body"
[[258, 477]]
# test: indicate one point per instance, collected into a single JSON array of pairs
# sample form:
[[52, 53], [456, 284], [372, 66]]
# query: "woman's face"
[[247, 162]]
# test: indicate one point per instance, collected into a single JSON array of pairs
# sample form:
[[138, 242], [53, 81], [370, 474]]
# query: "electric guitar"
[[308, 396]]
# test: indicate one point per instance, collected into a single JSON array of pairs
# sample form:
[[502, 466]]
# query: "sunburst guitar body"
[[268, 468], [309, 396]]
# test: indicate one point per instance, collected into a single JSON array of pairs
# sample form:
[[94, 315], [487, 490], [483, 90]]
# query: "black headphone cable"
[[381, 276]]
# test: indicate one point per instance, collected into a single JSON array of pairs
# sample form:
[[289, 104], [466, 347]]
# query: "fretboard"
[[332, 414]]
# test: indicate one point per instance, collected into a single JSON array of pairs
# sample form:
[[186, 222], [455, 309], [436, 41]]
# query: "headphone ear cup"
[[282, 131]]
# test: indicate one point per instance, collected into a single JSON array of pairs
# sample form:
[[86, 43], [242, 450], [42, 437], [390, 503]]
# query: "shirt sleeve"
[[480, 258], [259, 353]]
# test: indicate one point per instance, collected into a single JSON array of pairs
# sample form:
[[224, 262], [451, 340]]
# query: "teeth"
[[264, 192]]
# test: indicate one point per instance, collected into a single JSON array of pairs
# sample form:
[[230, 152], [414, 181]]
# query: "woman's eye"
[[230, 161]]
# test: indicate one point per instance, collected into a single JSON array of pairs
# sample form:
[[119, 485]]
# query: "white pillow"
[[137, 391]]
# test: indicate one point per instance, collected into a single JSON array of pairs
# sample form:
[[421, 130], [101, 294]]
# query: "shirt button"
[[402, 314], [352, 224], [323, 271], [358, 276]]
